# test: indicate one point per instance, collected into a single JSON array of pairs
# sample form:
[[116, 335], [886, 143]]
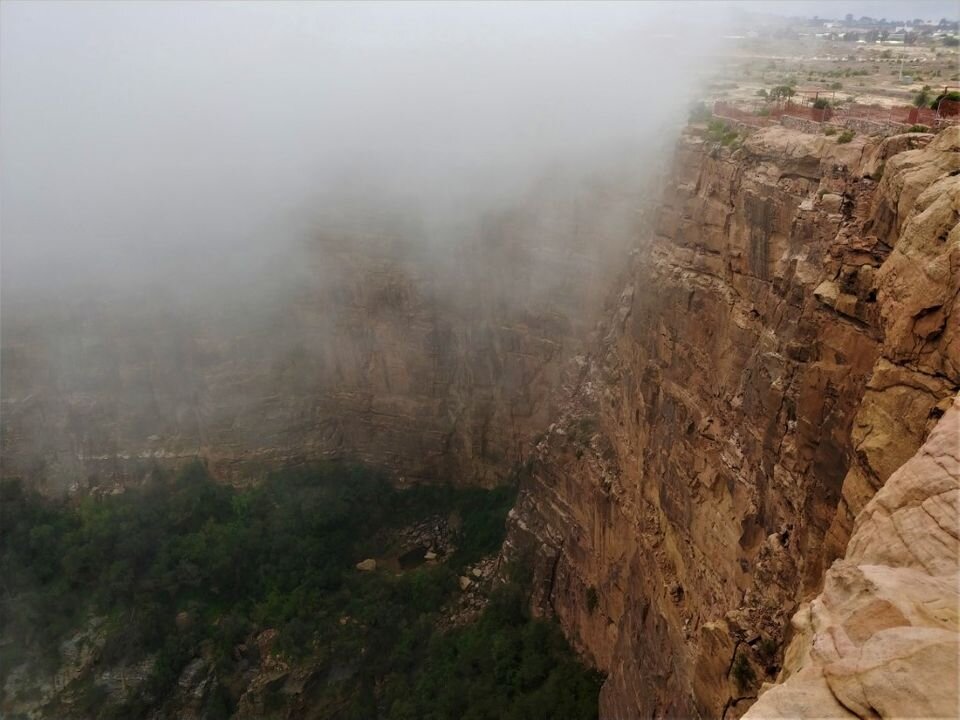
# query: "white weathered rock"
[[882, 638], [367, 565]]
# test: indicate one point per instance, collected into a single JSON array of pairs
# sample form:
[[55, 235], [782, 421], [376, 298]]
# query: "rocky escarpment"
[[882, 639], [433, 363], [786, 339]]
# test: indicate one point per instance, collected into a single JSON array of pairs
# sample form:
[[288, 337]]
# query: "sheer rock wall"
[[433, 362], [785, 340]]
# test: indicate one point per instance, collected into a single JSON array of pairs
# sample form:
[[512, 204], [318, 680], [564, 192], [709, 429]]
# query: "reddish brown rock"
[[771, 346]]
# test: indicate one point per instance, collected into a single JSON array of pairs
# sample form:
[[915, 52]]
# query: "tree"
[[781, 92], [922, 98], [950, 96], [951, 41]]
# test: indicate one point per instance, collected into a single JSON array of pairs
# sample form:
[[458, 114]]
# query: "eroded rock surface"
[[786, 340], [883, 638]]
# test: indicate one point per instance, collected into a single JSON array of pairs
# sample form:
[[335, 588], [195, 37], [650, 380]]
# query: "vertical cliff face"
[[882, 638], [785, 340], [435, 364]]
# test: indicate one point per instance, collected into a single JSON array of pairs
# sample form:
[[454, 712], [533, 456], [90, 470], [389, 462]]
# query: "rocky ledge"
[[787, 338], [882, 639]]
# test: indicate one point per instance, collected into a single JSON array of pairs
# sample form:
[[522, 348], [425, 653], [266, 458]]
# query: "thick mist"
[[186, 145]]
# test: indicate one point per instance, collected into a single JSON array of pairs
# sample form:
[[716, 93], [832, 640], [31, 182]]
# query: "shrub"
[[830, 131], [718, 131], [845, 137], [918, 129], [700, 113], [953, 96], [767, 649], [743, 673], [821, 103]]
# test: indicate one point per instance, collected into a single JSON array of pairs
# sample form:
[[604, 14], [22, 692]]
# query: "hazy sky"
[[890, 9], [170, 135], [177, 137]]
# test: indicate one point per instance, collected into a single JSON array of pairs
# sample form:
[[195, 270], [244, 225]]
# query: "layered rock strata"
[[433, 362], [785, 340]]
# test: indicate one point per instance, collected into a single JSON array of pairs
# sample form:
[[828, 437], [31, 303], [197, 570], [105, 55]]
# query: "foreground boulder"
[[882, 639]]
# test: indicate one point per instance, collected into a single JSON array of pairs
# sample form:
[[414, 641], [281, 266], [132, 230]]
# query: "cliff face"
[[882, 638], [434, 364], [785, 339], [784, 342]]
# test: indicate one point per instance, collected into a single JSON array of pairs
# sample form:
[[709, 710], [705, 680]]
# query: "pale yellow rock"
[[831, 202], [882, 638], [898, 673], [827, 292]]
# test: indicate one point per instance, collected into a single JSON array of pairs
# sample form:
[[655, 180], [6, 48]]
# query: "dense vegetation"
[[190, 568]]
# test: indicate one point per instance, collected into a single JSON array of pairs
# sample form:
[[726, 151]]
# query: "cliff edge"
[[882, 639], [785, 340]]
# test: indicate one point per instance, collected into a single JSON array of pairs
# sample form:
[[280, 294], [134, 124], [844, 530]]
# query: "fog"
[[184, 143]]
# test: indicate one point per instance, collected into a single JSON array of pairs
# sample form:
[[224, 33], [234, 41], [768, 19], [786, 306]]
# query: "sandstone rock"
[[917, 293], [827, 292], [465, 582], [831, 202], [746, 410], [368, 565], [877, 156], [882, 639], [846, 304]]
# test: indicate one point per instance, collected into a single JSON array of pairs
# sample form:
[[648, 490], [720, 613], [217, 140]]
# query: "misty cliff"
[[434, 363], [786, 339]]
